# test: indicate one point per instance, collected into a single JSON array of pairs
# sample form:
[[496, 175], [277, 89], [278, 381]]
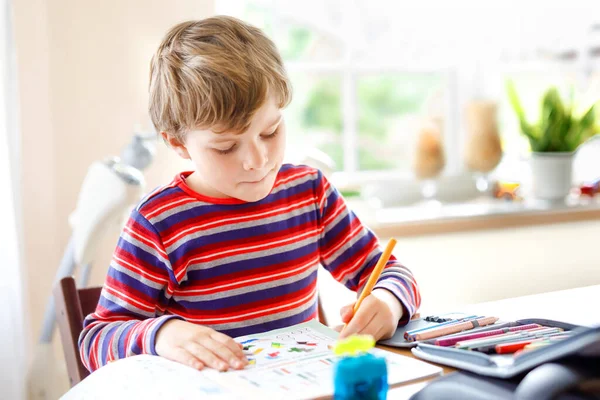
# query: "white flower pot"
[[551, 175]]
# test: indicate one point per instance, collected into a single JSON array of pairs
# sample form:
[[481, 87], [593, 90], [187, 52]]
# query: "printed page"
[[148, 377], [290, 363], [297, 363]]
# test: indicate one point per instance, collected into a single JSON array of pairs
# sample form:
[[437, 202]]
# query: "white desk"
[[576, 306]]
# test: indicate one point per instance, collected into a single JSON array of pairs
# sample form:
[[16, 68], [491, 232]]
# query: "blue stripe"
[[252, 232], [303, 190], [246, 299], [136, 287], [103, 353], [134, 338], [251, 264]]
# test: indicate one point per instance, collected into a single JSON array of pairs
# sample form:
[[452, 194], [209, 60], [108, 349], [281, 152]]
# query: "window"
[[366, 74], [363, 114]]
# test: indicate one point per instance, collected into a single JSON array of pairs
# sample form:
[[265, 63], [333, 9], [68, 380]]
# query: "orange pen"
[[375, 274]]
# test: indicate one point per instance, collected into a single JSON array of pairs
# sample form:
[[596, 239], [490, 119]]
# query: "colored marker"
[[454, 328], [507, 348], [507, 337], [415, 331], [453, 340]]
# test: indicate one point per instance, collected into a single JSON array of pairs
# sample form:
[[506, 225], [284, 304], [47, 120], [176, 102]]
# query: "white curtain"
[[12, 333]]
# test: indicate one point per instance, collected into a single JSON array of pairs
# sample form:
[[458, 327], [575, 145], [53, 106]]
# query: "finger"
[[358, 322], [225, 353], [184, 357], [235, 347], [339, 328], [230, 349], [207, 356], [346, 313]]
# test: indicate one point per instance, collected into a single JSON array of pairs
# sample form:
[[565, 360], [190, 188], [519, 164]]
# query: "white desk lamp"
[[109, 191]]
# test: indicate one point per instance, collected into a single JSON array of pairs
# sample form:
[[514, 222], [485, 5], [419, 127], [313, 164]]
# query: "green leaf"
[[583, 129], [526, 129], [558, 128]]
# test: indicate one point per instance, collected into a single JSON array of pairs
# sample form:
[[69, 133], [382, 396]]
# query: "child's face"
[[243, 166]]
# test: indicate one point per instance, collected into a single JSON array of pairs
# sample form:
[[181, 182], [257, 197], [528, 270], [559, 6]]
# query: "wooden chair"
[[321, 311], [72, 305]]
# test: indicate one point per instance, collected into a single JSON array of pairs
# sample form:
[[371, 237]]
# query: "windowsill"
[[478, 214]]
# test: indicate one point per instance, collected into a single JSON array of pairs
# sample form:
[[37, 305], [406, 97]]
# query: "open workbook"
[[289, 363]]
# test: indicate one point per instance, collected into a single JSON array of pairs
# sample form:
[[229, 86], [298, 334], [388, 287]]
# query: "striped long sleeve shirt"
[[236, 267]]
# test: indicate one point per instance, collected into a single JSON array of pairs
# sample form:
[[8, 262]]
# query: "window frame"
[[349, 74], [466, 80]]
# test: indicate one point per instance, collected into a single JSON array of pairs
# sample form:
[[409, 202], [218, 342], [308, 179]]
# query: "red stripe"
[[359, 260], [240, 278], [350, 231], [141, 234], [211, 220], [152, 205], [117, 289], [232, 248], [151, 272], [258, 308]]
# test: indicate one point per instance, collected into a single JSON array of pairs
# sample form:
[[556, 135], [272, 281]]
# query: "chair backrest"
[[72, 305], [321, 311]]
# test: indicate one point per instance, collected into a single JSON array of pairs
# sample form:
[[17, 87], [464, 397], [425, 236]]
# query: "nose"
[[255, 157]]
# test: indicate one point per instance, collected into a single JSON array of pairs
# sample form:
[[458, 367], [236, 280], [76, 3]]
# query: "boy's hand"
[[378, 316], [198, 346]]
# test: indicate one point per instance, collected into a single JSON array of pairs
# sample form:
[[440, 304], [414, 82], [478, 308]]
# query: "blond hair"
[[214, 73]]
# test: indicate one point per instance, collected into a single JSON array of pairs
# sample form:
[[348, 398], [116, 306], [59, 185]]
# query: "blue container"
[[362, 377]]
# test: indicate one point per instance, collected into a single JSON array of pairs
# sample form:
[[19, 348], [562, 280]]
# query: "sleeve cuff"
[[153, 328], [408, 309]]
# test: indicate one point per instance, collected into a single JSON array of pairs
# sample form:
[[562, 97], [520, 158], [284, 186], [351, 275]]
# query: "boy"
[[231, 248]]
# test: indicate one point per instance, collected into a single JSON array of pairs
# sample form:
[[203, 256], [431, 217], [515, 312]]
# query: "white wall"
[[83, 77], [12, 343], [471, 267]]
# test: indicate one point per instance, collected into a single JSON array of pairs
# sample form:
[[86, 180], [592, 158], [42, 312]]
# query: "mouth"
[[260, 180]]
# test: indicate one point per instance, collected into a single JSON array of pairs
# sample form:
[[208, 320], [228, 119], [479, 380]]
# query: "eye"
[[272, 134], [226, 151]]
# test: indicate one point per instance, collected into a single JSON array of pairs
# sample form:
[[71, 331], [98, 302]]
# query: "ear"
[[176, 145]]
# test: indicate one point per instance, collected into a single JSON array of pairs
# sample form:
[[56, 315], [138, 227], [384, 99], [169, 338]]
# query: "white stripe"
[[144, 240], [256, 216], [142, 273], [154, 192], [110, 318], [255, 247], [168, 205], [190, 292], [404, 295], [298, 175], [300, 301], [350, 272], [349, 241], [341, 209], [292, 184], [131, 299]]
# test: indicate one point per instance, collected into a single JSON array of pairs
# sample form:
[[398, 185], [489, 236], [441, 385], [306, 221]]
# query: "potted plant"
[[554, 140]]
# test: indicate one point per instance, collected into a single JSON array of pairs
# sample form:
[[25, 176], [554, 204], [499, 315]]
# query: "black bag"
[[567, 369]]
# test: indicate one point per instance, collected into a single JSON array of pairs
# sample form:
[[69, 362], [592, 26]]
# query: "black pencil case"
[[509, 365], [566, 369]]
